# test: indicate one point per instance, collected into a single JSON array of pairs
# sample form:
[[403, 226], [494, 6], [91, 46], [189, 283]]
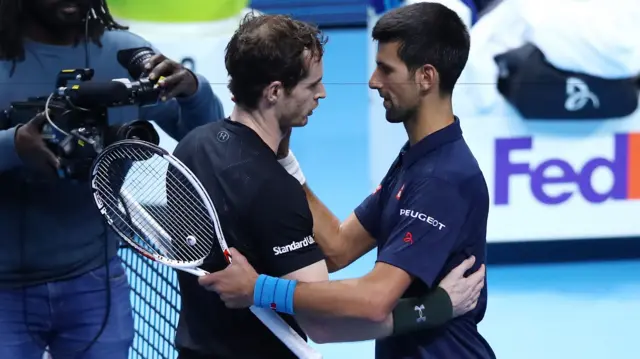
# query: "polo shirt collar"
[[451, 133]]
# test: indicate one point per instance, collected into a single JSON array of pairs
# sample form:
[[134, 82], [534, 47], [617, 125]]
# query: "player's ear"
[[426, 77], [273, 92]]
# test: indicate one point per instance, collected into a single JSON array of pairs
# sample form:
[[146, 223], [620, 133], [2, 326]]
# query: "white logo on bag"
[[307, 241], [578, 95], [422, 217], [419, 309]]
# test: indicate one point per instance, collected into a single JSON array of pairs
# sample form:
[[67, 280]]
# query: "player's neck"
[[432, 116], [264, 126]]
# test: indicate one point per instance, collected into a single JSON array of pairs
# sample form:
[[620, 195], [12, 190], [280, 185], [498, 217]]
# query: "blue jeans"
[[66, 316]]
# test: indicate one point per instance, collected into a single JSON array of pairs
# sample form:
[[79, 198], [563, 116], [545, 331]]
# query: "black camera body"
[[77, 128]]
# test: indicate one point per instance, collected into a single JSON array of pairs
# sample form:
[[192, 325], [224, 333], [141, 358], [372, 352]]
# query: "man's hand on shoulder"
[[464, 291], [174, 79]]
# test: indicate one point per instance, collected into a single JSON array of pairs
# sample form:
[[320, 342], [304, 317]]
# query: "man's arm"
[[341, 243], [438, 306], [371, 297], [322, 329], [454, 296]]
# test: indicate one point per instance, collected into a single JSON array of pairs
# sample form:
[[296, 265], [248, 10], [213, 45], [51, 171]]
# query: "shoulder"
[[188, 145], [427, 186], [454, 168], [195, 150]]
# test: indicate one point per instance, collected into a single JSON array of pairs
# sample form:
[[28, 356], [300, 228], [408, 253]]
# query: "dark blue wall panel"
[[320, 12]]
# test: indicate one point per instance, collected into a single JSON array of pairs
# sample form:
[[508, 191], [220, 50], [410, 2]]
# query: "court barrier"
[[155, 298]]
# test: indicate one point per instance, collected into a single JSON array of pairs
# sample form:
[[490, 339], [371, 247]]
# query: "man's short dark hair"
[[267, 48], [428, 33]]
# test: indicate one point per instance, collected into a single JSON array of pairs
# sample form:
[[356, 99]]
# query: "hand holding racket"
[[235, 283], [158, 206]]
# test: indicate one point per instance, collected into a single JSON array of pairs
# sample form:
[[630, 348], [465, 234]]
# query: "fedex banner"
[[611, 174]]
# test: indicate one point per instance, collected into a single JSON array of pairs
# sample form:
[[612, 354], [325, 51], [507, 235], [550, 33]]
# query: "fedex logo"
[[624, 166]]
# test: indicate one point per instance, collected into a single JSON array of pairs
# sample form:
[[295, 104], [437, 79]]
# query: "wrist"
[[192, 89], [291, 165], [274, 293]]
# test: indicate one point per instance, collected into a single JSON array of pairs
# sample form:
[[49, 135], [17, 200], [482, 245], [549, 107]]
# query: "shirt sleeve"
[[283, 227], [431, 214], [369, 212]]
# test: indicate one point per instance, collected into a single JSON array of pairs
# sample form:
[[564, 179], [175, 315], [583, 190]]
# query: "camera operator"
[[62, 285]]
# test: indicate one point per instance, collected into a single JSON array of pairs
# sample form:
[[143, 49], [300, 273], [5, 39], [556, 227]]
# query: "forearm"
[[8, 157], [324, 330], [354, 309], [347, 299], [326, 228], [410, 315]]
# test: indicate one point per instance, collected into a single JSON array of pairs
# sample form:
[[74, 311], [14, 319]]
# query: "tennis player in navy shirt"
[[428, 214]]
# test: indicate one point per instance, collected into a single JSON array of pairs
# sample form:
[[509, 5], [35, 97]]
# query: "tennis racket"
[[158, 206]]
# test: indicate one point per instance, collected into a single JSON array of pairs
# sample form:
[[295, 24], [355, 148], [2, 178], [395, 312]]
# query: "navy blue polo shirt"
[[429, 214]]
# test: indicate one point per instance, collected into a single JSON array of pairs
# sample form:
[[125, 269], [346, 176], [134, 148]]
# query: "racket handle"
[[195, 271], [285, 333]]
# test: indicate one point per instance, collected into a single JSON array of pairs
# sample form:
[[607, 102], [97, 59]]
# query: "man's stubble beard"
[[401, 115]]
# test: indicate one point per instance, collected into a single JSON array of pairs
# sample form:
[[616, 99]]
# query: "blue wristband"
[[274, 293]]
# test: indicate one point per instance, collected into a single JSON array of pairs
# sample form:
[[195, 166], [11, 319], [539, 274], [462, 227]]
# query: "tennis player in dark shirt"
[[428, 214], [275, 68]]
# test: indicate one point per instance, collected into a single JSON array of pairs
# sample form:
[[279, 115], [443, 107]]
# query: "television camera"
[[77, 127]]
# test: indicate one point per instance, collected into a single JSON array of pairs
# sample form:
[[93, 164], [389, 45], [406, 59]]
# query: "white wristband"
[[290, 163]]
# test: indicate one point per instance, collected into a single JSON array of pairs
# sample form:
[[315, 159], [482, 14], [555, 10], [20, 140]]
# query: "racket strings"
[[177, 226], [176, 185], [161, 241]]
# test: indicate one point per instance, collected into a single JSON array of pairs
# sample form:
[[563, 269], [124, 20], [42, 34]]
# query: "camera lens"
[[137, 61], [133, 60]]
